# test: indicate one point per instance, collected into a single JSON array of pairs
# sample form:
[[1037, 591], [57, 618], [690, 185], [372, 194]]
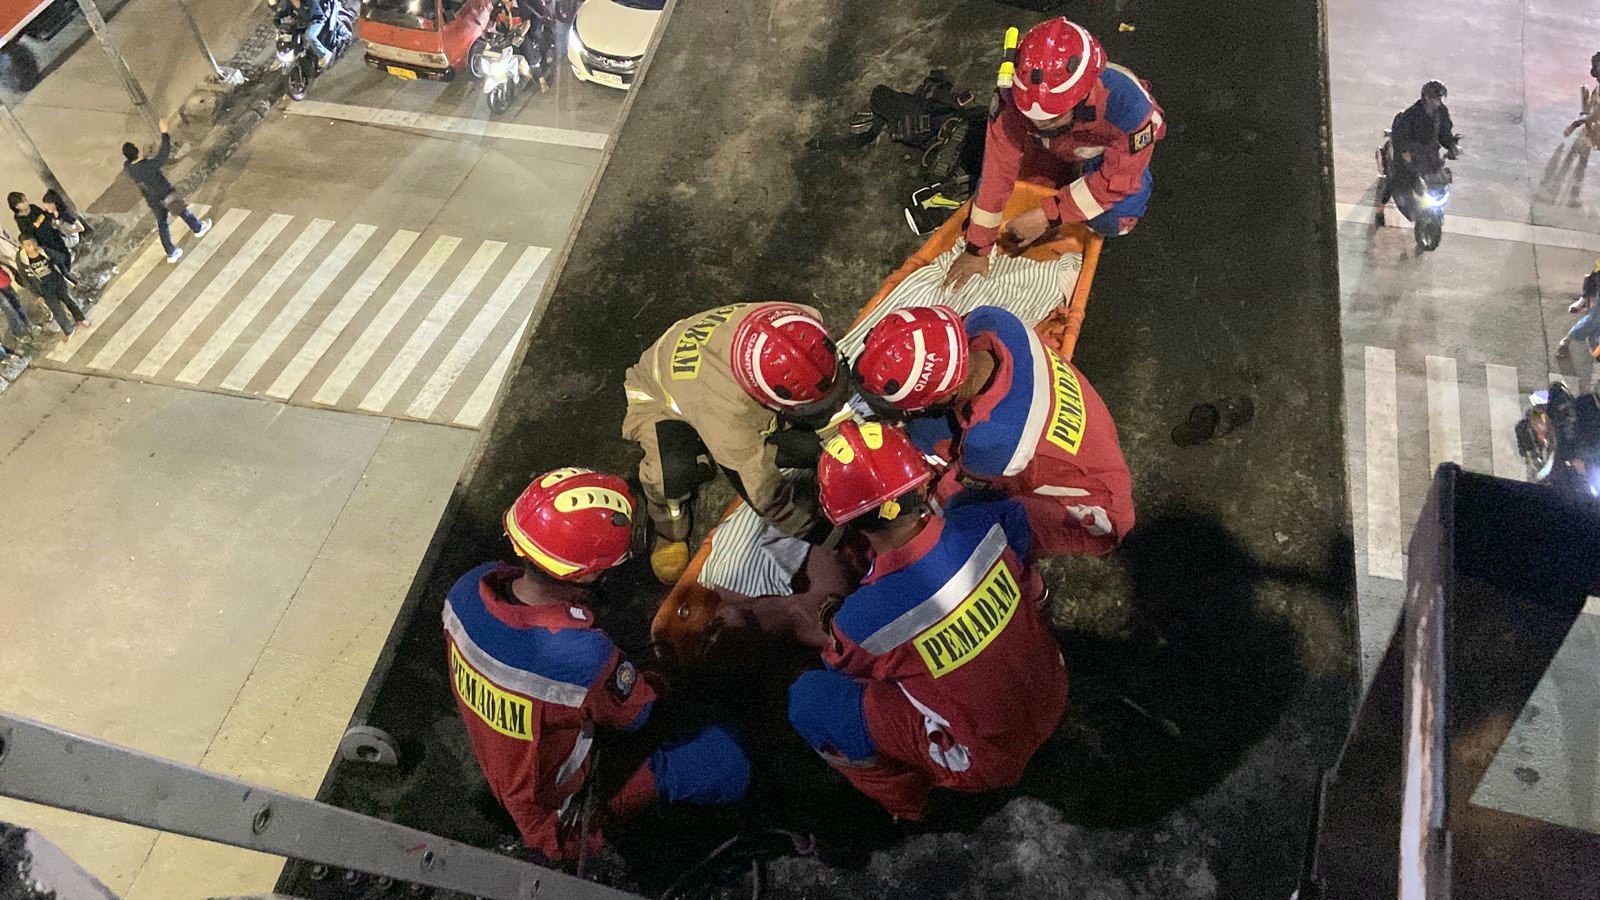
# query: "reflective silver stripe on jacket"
[[927, 614], [523, 682]]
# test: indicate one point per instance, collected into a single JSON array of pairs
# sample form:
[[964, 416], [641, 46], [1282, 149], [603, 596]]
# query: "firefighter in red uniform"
[[537, 684], [1072, 121], [941, 671], [1013, 416]]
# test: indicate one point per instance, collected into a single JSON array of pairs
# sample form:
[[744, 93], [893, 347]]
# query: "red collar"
[[891, 561], [495, 590]]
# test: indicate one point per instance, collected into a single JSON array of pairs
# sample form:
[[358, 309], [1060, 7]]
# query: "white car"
[[609, 38]]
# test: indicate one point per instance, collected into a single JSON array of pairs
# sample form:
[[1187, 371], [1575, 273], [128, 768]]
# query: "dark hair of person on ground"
[[130, 151]]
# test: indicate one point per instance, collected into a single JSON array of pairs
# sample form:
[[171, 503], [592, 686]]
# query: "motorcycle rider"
[[1415, 138], [1074, 121], [527, 22], [316, 17], [1587, 328]]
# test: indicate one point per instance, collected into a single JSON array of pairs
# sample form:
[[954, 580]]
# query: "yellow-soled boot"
[[669, 559]]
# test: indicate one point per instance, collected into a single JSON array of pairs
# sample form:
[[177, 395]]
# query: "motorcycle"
[[294, 55], [505, 71], [1421, 198], [1559, 439]]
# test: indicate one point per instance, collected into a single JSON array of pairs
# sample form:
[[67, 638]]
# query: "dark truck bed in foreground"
[[1230, 610]]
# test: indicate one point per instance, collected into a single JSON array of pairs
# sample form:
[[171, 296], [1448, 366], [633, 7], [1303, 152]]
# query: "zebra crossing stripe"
[[1444, 412], [1383, 466], [302, 301], [477, 405], [180, 331], [466, 346], [225, 335], [1505, 409], [333, 325], [390, 314], [152, 306], [115, 293], [428, 330]]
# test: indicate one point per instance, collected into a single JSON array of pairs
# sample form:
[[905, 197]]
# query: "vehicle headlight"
[[285, 55], [1436, 200], [572, 36]]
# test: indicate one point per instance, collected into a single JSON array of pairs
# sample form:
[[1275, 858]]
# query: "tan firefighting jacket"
[[687, 376]]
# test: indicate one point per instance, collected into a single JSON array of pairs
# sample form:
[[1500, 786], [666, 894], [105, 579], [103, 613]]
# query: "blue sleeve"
[[1127, 105], [165, 151], [927, 432], [1015, 524]]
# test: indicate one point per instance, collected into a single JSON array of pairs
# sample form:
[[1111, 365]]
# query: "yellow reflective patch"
[[574, 499], [872, 435], [686, 349], [959, 637], [500, 709], [1067, 417], [840, 449], [559, 475], [525, 546]]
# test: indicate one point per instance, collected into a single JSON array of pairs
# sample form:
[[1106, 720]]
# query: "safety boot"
[[669, 559], [669, 554]]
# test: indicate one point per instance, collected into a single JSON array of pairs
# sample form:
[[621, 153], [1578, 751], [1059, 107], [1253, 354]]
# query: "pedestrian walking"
[[34, 222], [52, 286], [16, 312], [159, 193]]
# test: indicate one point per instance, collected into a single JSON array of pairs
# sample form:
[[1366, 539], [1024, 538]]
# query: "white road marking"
[[1505, 409], [1592, 606], [1444, 412], [428, 329], [152, 306], [211, 296], [366, 115], [477, 405], [1383, 466], [303, 300], [116, 292], [282, 267], [332, 325], [1494, 229], [392, 311], [466, 346]]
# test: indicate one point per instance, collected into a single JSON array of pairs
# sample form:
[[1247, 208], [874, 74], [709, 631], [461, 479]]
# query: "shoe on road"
[[175, 255], [1563, 350], [205, 226], [669, 559], [1378, 220]]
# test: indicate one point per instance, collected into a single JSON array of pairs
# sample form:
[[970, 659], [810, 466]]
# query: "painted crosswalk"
[[1416, 413], [353, 316]]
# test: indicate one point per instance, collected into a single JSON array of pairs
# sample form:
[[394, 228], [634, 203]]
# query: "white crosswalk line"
[[1505, 408], [288, 381], [211, 296], [428, 330], [1383, 466], [477, 405], [116, 292], [466, 346], [297, 307], [395, 309], [222, 339], [1444, 412], [154, 305]]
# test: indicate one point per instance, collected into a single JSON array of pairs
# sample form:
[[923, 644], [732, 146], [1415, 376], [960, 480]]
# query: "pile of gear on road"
[[940, 464]]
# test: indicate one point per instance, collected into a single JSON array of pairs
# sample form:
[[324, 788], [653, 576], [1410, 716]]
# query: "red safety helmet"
[[784, 358], [914, 358], [572, 522], [865, 467], [1058, 63]]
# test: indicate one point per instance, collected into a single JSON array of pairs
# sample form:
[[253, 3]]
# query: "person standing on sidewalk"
[[15, 311], [34, 222], [64, 219], [52, 286], [164, 200]]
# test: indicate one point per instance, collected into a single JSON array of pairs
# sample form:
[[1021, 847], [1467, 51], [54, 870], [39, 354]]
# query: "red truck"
[[23, 22]]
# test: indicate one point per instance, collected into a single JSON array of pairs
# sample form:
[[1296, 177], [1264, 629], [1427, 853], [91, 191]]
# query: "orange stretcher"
[[690, 606]]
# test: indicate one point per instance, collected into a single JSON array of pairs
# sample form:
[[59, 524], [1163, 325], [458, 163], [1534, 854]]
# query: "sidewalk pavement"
[[79, 115]]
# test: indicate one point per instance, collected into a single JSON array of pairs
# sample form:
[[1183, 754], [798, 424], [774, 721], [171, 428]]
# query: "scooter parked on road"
[[1421, 192], [294, 54]]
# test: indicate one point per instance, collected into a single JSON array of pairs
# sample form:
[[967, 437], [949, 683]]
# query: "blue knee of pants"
[[708, 768], [828, 710], [1586, 328], [1109, 223]]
